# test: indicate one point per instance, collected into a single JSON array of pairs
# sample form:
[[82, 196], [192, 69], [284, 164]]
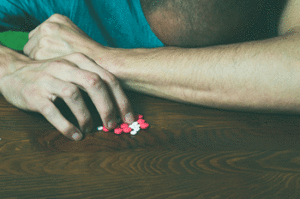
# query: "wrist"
[[10, 61], [111, 59]]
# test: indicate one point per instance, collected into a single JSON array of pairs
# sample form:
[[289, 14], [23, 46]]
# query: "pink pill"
[[140, 116], [124, 125], [105, 129], [141, 121], [118, 131], [144, 125], [127, 130]]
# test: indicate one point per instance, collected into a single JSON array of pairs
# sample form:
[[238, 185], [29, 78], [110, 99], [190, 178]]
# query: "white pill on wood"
[[133, 132]]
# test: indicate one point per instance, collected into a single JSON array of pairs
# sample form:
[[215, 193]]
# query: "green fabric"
[[14, 40]]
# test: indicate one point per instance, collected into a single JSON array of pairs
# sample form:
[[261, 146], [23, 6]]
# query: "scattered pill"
[[133, 128], [127, 130], [137, 129], [144, 125], [124, 125], [105, 129], [135, 124], [118, 131], [141, 121], [133, 132]]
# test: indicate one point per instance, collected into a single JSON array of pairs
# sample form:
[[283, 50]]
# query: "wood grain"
[[188, 152]]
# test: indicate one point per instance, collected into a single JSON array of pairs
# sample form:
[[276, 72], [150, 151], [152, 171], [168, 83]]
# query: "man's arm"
[[260, 75]]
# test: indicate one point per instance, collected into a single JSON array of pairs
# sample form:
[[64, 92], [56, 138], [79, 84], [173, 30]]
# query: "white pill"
[[133, 132], [135, 124], [132, 126], [137, 128], [100, 128]]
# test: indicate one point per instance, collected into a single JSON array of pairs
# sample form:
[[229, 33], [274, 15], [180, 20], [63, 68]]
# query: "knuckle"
[[112, 81], [58, 17], [85, 119], [44, 41], [70, 92], [49, 27], [46, 109], [79, 55], [93, 80], [39, 55]]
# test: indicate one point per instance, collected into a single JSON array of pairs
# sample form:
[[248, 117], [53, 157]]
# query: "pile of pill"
[[126, 128]]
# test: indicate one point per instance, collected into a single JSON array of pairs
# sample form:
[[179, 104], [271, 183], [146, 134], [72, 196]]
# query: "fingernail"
[[129, 118], [111, 124], [76, 136]]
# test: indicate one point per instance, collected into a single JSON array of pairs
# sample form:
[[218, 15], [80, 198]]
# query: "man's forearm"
[[260, 75]]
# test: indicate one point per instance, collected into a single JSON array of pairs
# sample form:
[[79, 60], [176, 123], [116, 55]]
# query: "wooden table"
[[188, 152]]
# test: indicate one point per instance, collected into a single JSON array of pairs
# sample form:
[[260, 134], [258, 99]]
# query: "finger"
[[47, 24], [113, 84], [53, 115], [73, 98], [28, 49], [39, 52], [122, 101], [93, 85], [46, 28], [31, 33]]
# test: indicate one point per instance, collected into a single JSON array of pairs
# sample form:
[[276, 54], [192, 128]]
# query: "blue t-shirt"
[[114, 23]]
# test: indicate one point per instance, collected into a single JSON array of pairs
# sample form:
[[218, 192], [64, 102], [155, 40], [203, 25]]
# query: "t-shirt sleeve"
[[14, 17]]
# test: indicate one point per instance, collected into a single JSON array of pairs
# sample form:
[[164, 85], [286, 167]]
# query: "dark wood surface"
[[188, 152]]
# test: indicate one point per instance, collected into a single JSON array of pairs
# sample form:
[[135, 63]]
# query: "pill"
[[144, 126], [135, 124], [127, 130], [124, 125], [133, 132], [118, 131], [141, 121], [105, 129]]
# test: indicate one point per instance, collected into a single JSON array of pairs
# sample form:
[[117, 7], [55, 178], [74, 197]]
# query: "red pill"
[[141, 121], [124, 125], [140, 116], [127, 130], [144, 125], [105, 129], [118, 131]]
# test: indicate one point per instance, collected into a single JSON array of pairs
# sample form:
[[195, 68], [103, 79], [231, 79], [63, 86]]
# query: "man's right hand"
[[35, 86]]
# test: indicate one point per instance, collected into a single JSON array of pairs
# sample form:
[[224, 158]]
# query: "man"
[[238, 55]]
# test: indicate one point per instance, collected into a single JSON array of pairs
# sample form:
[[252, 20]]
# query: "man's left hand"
[[57, 36]]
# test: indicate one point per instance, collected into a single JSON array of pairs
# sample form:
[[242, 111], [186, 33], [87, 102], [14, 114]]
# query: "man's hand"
[[35, 86], [57, 36]]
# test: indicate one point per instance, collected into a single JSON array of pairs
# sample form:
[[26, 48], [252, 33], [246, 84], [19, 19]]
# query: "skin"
[[258, 75], [33, 85]]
